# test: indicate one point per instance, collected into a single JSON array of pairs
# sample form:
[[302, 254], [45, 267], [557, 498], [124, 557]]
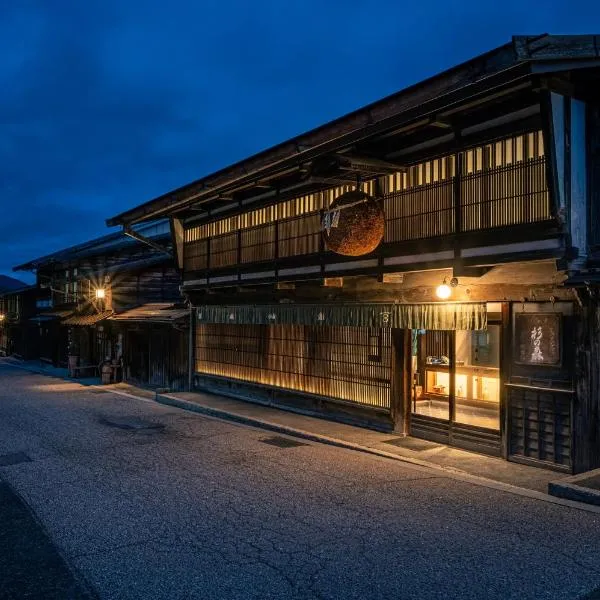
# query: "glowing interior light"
[[100, 293], [443, 291]]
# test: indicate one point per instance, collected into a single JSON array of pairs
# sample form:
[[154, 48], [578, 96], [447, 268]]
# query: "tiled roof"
[[153, 313], [88, 319]]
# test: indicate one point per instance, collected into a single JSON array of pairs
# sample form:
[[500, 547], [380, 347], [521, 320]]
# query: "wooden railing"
[[505, 196], [421, 212], [486, 199]]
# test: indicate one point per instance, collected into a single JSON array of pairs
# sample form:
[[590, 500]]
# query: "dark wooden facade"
[[488, 177], [16, 330], [75, 320], [155, 345]]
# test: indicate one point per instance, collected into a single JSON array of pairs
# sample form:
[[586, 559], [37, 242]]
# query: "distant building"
[[85, 292], [17, 306]]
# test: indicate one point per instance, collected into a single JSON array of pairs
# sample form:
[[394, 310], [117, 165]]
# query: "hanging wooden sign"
[[538, 339], [354, 224]]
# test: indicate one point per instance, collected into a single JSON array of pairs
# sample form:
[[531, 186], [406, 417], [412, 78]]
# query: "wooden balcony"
[[432, 213]]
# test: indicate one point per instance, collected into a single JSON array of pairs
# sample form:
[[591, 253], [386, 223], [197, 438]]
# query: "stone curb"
[[568, 488]]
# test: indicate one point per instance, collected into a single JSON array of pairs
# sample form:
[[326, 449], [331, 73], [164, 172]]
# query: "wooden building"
[[17, 306], [82, 290], [450, 300], [155, 341]]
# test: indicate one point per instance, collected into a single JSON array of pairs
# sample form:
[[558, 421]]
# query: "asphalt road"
[[146, 501]]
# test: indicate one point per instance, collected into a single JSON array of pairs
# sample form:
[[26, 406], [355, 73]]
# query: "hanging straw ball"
[[357, 229]]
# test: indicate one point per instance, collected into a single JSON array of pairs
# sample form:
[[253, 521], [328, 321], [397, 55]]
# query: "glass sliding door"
[[433, 375], [477, 388], [456, 385]]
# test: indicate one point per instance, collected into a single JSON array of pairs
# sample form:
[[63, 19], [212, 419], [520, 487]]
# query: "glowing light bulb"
[[100, 293], [443, 291]]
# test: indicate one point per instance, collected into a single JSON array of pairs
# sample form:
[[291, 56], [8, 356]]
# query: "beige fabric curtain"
[[448, 316]]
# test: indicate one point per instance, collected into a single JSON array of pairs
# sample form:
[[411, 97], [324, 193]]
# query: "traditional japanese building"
[[420, 265], [85, 294], [17, 306]]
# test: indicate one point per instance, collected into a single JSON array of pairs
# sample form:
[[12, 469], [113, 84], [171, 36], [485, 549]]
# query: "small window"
[[375, 345]]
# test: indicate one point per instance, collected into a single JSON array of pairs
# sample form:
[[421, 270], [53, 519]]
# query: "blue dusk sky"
[[107, 104]]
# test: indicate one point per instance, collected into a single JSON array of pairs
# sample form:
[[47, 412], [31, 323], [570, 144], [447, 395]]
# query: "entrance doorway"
[[455, 395]]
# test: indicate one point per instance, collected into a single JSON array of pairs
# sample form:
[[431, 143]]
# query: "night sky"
[[104, 105]]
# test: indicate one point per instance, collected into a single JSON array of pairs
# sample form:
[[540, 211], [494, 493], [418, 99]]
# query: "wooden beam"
[[460, 270], [336, 282], [392, 278], [357, 162], [140, 238], [441, 123]]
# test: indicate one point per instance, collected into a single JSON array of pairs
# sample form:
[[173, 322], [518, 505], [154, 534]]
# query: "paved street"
[[146, 501]]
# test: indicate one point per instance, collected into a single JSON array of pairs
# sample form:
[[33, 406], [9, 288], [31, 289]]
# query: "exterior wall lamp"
[[100, 294], [444, 291]]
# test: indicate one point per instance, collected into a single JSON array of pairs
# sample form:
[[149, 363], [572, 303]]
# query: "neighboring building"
[[82, 290], [488, 176], [17, 306], [8, 284]]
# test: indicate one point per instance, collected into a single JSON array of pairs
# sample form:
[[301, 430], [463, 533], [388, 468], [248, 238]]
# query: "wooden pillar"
[[191, 348], [505, 363], [585, 430], [401, 380], [451, 341]]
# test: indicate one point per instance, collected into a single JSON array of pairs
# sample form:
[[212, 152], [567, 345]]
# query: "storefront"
[[489, 377]]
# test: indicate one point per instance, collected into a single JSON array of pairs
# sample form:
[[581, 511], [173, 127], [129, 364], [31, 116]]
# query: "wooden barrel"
[[106, 373]]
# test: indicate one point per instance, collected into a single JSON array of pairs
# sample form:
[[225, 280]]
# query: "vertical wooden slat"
[[501, 184], [327, 361]]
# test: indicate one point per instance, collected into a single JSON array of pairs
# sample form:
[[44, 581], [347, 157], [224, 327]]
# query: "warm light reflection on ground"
[[57, 387]]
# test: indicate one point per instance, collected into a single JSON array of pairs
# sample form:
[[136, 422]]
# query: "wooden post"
[[458, 173], [451, 340], [401, 380], [191, 350], [505, 363], [585, 426]]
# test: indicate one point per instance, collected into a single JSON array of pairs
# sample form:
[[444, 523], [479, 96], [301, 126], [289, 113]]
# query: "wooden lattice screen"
[[347, 363]]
